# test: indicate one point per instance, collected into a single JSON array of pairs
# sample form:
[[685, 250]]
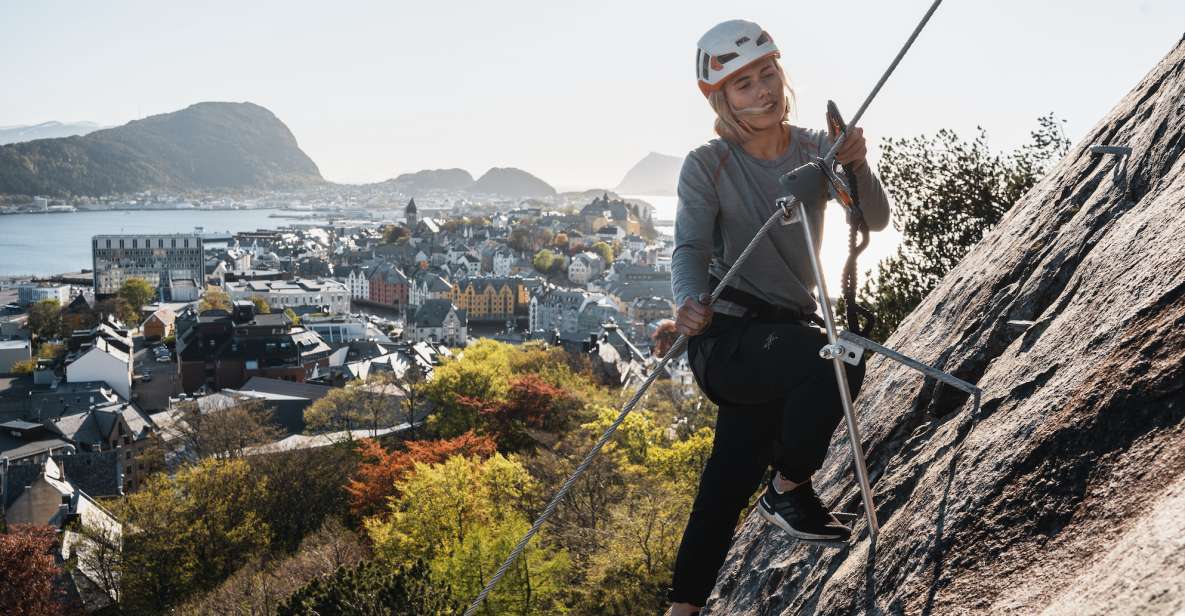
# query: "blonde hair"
[[732, 128]]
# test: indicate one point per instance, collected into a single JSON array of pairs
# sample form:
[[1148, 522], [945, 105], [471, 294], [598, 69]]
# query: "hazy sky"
[[572, 92]]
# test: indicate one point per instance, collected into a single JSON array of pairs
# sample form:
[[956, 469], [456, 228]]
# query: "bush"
[[948, 192], [24, 367]]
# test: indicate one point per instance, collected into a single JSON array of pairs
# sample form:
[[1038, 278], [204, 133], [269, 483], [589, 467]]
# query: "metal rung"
[[1123, 152], [868, 345]]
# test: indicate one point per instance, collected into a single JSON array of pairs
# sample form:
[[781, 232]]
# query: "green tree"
[[632, 571], [137, 292], [372, 589], [947, 193], [263, 585], [119, 308], [374, 403], [51, 350], [187, 533], [481, 373], [292, 316], [305, 488], [226, 432], [214, 300], [520, 237], [45, 319], [543, 261], [261, 305], [605, 250], [462, 517]]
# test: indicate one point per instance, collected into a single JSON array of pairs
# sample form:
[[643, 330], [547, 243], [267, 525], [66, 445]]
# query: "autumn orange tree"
[[26, 558], [531, 404], [379, 469]]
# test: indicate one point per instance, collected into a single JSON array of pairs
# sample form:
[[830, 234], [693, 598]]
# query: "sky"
[[575, 93]]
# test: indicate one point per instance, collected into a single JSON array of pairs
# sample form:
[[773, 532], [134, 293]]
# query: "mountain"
[[656, 174], [1064, 495], [206, 146], [434, 179], [511, 182], [588, 195], [45, 130]]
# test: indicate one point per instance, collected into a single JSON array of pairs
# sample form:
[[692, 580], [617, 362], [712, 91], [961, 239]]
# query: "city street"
[[152, 396]]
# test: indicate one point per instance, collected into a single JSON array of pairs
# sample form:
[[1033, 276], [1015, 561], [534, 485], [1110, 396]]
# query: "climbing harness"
[[806, 184]]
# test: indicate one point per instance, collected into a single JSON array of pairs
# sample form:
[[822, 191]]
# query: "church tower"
[[410, 214]]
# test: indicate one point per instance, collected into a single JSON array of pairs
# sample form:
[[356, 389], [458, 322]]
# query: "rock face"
[[207, 146], [1067, 494], [656, 174]]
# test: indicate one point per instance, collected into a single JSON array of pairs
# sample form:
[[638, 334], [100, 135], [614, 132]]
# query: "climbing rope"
[[674, 351], [849, 196]]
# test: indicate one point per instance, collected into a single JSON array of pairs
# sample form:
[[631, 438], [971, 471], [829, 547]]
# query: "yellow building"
[[490, 298]]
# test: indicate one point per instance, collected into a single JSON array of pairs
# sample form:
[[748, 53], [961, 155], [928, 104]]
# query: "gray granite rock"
[[1067, 494]]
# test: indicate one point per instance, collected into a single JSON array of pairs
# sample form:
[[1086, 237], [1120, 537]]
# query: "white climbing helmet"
[[727, 48]]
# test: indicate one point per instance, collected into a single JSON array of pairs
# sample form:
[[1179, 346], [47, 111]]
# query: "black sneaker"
[[801, 513]]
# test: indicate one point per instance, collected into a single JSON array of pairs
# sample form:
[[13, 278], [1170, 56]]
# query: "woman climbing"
[[755, 351]]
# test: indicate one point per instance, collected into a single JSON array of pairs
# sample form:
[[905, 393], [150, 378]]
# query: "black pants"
[[779, 406]]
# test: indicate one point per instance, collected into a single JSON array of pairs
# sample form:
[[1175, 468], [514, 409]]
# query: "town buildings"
[[491, 298], [159, 259], [32, 292], [323, 295], [159, 324], [356, 280], [584, 267], [389, 285], [223, 350], [437, 320]]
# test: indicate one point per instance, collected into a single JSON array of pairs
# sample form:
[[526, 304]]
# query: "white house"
[[428, 286], [343, 328], [584, 266], [280, 294], [503, 262], [103, 362], [356, 281], [548, 309], [437, 320]]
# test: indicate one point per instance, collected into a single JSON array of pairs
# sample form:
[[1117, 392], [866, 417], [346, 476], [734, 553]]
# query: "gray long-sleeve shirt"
[[726, 194]]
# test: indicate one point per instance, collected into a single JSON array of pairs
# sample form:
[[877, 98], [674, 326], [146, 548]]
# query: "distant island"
[[511, 182], [433, 179], [656, 174], [501, 181], [45, 130], [206, 146]]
